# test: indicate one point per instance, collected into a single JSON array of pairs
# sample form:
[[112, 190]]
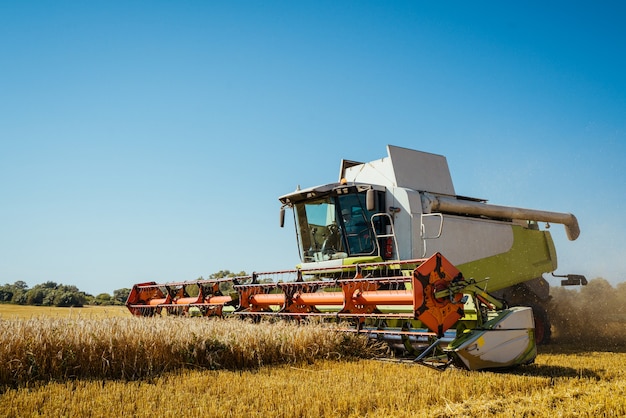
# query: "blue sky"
[[150, 140]]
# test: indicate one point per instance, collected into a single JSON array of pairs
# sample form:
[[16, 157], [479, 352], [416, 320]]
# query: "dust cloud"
[[591, 316]]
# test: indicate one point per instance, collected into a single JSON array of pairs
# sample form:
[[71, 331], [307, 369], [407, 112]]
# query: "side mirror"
[[370, 200], [572, 279], [282, 217]]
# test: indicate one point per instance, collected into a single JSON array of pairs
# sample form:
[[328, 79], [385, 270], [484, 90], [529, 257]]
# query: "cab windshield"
[[335, 227]]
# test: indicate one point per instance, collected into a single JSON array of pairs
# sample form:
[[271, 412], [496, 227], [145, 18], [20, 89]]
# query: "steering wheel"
[[332, 230], [331, 240]]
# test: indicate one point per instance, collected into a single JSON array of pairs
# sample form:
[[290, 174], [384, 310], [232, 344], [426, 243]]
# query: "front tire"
[[543, 331]]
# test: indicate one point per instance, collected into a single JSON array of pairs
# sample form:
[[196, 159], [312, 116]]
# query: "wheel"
[[543, 331]]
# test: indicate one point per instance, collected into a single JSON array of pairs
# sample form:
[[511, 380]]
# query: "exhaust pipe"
[[468, 207]]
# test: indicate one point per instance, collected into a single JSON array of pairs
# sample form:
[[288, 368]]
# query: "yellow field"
[[9, 311], [103, 365], [559, 385]]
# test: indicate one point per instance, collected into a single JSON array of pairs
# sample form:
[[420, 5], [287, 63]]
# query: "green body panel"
[[531, 255], [361, 260], [348, 261]]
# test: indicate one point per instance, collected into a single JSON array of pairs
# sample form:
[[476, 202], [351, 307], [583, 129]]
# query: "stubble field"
[[102, 362]]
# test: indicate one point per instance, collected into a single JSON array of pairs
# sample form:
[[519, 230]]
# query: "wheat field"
[[107, 365], [12, 311], [563, 385], [44, 349]]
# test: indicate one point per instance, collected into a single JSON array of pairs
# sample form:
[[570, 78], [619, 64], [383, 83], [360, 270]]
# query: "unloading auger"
[[411, 304]]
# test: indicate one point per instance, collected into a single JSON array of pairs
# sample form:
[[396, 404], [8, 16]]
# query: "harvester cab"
[[340, 222]]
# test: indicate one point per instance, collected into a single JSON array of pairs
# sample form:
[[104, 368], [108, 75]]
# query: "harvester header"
[[361, 296]]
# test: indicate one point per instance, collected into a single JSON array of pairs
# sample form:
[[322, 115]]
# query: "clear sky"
[[150, 140]]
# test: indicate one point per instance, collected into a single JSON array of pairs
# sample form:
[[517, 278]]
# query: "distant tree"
[[227, 287], [35, 296], [49, 294], [220, 274], [14, 292], [65, 298], [50, 297], [21, 285], [102, 299], [48, 285], [19, 298], [120, 295], [6, 293]]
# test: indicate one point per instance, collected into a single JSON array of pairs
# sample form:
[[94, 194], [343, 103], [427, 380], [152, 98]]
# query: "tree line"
[[55, 294]]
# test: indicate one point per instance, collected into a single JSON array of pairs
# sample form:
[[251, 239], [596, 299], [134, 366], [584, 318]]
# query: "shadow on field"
[[542, 370], [583, 345]]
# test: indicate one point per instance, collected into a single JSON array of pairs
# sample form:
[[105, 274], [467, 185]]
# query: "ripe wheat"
[[133, 348]]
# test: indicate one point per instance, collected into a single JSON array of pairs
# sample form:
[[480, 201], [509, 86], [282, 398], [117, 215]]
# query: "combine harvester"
[[372, 249]]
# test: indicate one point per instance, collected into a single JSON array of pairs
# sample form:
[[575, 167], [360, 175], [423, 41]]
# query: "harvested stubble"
[[134, 348], [558, 385]]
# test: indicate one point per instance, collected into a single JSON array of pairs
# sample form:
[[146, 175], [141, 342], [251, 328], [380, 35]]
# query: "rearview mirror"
[[369, 200]]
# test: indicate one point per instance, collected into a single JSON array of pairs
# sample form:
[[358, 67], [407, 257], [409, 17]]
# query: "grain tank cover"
[[405, 168]]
